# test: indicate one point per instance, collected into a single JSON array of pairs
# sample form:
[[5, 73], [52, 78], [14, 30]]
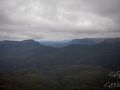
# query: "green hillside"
[[63, 77]]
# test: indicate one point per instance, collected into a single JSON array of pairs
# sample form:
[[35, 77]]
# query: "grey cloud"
[[59, 19]]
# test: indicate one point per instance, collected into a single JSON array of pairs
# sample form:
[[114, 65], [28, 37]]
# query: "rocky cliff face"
[[8, 42], [112, 40]]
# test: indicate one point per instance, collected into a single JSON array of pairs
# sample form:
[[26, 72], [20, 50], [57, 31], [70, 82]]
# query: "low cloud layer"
[[59, 19]]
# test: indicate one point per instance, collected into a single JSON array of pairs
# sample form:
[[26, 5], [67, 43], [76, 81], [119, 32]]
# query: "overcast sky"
[[59, 19]]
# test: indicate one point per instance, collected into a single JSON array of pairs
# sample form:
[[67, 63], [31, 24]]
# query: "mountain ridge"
[[85, 41], [112, 40], [35, 55]]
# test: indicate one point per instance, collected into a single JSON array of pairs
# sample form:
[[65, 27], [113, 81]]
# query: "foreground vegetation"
[[62, 77]]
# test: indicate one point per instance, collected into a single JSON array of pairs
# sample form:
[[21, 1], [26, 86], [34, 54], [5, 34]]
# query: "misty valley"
[[80, 64]]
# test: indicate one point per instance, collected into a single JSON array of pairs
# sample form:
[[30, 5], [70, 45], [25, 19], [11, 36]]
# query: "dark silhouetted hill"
[[31, 54]]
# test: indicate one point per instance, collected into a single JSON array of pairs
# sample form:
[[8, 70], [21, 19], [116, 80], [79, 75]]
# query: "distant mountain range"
[[55, 44], [29, 53], [86, 41]]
